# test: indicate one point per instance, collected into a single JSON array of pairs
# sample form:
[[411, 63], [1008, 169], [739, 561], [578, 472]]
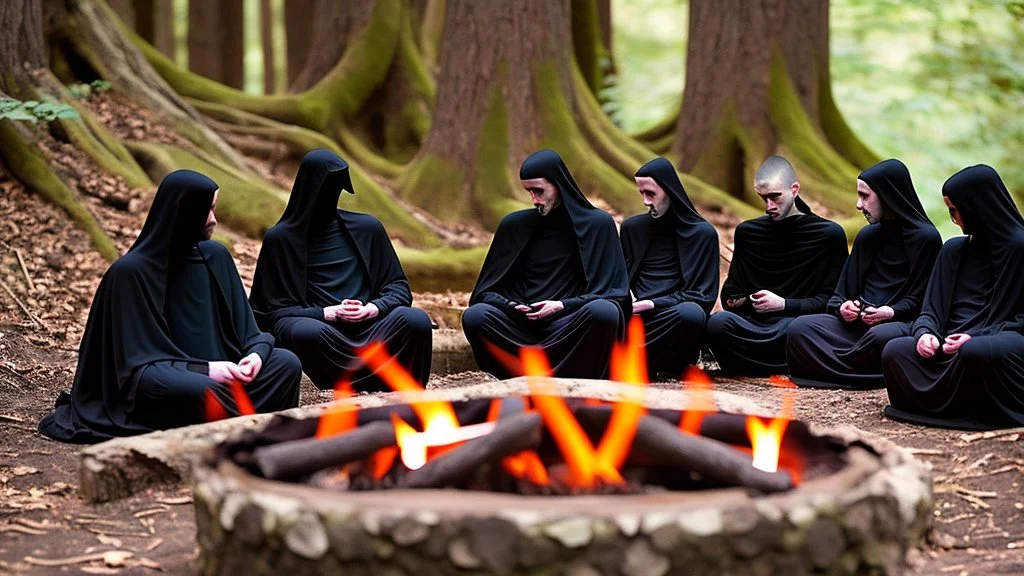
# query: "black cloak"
[[798, 258], [127, 327], [279, 288], [600, 253], [991, 218], [890, 179], [696, 240]]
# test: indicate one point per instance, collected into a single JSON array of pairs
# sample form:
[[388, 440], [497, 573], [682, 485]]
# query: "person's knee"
[[288, 362], [603, 311], [976, 352], [415, 320], [475, 318], [717, 324], [301, 331], [798, 331], [897, 348], [690, 314]]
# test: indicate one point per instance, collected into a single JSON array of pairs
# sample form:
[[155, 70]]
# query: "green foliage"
[[82, 90], [34, 110]]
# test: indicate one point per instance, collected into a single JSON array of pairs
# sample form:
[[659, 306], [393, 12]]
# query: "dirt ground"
[[48, 275]]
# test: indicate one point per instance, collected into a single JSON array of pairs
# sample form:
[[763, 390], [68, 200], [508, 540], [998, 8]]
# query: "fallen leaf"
[[116, 557], [24, 470]]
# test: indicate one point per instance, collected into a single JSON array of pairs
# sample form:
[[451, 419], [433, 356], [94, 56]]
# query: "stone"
[[642, 560], [407, 532], [825, 542], [629, 524], [582, 569], [349, 541], [858, 521], [801, 515], [280, 510], [763, 536], [436, 545], [536, 551], [667, 537], [370, 521], [886, 556], [461, 555], [740, 520], [573, 532], [607, 556], [382, 548], [527, 520], [232, 504], [702, 522], [493, 541], [249, 526], [655, 520], [604, 529], [307, 537], [768, 510]]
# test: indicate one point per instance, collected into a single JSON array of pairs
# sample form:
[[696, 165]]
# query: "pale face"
[[779, 200], [543, 194], [657, 201], [211, 218], [954, 214], [869, 203]]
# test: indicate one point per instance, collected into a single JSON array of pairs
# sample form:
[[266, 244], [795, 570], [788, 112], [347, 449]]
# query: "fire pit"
[[511, 496]]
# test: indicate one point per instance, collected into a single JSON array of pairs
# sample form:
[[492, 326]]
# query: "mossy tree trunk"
[[757, 83]]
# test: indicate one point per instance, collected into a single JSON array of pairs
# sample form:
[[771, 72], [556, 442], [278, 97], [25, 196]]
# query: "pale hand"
[[850, 310], [251, 365], [642, 306], [765, 301], [873, 316], [927, 345], [954, 342], [735, 303], [225, 372], [545, 308], [355, 311]]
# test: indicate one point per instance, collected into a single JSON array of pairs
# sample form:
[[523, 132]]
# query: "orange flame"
[[494, 411], [242, 401], [382, 461], [576, 449], [338, 419], [213, 408], [766, 437], [527, 466], [698, 383], [780, 381], [414, 454], [629, 365]]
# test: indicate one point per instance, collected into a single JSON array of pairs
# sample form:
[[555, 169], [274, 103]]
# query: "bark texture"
[[215, 41]]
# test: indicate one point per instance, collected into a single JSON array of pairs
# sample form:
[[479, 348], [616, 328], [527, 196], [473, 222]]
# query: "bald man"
[[785, 264]]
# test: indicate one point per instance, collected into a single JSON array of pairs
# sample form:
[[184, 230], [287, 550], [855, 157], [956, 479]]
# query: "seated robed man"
[[784, 265], [879, 293], [963, 367], [169, 330], [554, 277], [328, 282], [672, 259]]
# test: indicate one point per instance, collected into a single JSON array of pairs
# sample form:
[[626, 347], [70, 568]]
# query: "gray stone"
[[858, 520], [436, 545], [702, 522], [493, 541], [582, 569], [642, 560], [887, 556], [460, 554], [825, 542], [763, 536], [667, 537], [307, 537], [232, 504], [536, 551], [574, 532], [740, 520], [383, 549], [349, 541], [249, 525], [407, 532], [629, 524]]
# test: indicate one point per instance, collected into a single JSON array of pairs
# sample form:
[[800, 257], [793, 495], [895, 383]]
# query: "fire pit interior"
[[541, 484]]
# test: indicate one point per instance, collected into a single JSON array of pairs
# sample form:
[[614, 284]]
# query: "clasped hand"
[[351, 311], [542, 309], [765, 301], [928, 344], [870, 315], [245, 371]]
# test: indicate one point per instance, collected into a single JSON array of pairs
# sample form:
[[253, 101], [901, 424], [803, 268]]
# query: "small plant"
[[81, 91], [34, 110]]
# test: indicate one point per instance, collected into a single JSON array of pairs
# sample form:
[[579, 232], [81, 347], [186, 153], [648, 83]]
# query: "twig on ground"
[[24, 270], [968, 438], [980, 462], [55, 562], [10, 418], [22, 529], [152, 545], [925, 451], [22, 305], [151, 511]]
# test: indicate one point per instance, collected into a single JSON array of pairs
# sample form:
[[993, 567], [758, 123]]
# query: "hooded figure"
[[672, 260], [963, 366], [169, 317], [328, 282], [788, 259], [883, 283], [553, 277]]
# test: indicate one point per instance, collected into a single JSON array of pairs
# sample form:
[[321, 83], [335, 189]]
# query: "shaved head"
[[776, 171]]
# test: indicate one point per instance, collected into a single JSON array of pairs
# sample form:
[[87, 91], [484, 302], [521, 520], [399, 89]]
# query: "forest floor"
[[49, 273]]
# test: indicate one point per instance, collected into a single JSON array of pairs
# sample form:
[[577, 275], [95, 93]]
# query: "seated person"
[[328, 282], [672, 259], [169, 327], [784, 265], [879, 292], [963, 365], [554, 277]]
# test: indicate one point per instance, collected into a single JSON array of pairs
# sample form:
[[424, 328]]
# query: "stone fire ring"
[[863, 518]]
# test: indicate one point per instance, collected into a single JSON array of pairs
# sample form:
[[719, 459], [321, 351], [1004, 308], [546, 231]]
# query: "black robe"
[[578, 340], [289, 299], [127, 335], [673, 262], [798, 258], [888, 266], [975, 289]]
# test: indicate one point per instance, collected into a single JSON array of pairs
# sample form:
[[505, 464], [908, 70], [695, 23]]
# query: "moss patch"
[[442, 269]]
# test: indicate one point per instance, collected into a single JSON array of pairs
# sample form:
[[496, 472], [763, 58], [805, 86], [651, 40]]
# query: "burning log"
[[511, 436], [661, 441], [295, 459]]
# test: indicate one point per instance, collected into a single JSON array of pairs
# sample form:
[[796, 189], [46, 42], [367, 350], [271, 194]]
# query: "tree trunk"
[[126, 11], [267, 40], [154, 20], [757, 83], [298, 24], [332, 27], [604, 16], [21, 44], [216, 45]]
